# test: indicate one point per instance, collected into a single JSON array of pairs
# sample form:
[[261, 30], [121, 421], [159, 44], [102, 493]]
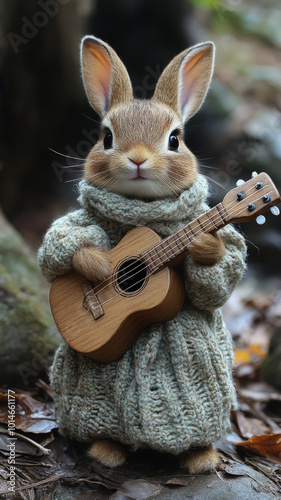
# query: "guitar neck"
[[177, 244]]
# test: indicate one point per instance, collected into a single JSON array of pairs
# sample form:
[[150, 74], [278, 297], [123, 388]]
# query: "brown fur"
[[108, 452], [207, 249], [200, 459], [141, 128], [140, 131], [196, 65], [92, 263], [168, 172], [105, 87]]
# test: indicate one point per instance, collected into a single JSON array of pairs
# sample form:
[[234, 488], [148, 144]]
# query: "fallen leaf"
[[244, 356], [265, 446], [30, 415], [23, 444], [236, 469], [249, 427], [261, 392], [257, 350], [245, 371], [260, 302], [137, 489], [176, 481]]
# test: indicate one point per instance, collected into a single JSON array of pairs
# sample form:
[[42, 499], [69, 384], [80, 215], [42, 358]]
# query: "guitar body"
[[123, 309]]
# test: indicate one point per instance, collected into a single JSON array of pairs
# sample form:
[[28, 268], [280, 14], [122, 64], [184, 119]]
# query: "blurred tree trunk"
[[27, 331], [40, 87], [43, 97]]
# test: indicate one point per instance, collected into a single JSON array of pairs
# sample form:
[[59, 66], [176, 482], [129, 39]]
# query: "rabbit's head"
[[141, 152]]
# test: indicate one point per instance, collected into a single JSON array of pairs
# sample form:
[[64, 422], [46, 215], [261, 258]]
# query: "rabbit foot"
[[108, 452], [207, 249], [199, 459], [92, 263]]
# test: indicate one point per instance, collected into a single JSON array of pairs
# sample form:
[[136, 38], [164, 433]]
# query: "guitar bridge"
[[91, 301]]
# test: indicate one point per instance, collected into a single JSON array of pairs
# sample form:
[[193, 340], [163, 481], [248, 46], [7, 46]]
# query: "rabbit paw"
[[200, 459], [207, 249], [92, 263], [108, 452]]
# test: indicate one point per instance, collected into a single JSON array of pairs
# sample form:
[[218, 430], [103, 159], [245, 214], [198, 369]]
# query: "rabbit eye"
[[173, 142], [107, 141]]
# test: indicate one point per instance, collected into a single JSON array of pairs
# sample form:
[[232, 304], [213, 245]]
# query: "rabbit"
[[150, 160], [141, 159]]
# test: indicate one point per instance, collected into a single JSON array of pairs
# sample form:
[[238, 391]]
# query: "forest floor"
[[48, 466]]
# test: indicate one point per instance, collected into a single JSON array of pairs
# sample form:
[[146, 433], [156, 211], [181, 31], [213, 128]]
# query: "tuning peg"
[[260, 219], [254, 174], [239, 182], [275, 210]]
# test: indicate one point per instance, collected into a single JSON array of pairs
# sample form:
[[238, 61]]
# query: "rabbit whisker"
[[70, 167], [92, 119], [66, 156], [213, 180], [74, 180], [206, 166]]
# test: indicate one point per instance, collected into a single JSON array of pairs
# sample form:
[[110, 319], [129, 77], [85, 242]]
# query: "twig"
[[259, 469], [45, 451], [260, 414], [34, 485]]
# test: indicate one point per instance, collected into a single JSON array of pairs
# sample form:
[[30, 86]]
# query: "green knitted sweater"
[[173, 388]]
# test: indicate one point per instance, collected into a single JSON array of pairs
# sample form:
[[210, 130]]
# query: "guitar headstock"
[[251, 199]]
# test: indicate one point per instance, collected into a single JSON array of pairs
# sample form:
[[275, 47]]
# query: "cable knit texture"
[[173, 388]]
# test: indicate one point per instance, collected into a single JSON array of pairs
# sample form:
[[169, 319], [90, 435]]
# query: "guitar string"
[[150, 272], [147, 275], [116, 295], [186, 235]]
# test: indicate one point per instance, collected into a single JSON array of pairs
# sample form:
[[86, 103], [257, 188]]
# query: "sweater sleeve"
[[209, 287], [65, 236]]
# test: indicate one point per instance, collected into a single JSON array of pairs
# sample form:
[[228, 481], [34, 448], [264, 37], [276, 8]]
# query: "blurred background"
[[44, 108], [48, 127]]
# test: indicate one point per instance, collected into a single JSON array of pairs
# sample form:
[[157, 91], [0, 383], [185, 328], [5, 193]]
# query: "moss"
[[27, 332]]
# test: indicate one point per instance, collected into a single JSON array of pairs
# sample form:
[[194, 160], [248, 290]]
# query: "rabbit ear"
[[105, 77], [185, 81]]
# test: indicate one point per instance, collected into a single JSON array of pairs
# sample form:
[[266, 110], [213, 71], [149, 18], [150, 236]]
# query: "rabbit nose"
[[138, 163], [138, 171]]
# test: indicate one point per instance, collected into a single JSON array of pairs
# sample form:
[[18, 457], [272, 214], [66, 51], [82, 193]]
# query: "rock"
[[238, 480], [252, 486], [271, 367], [27, 331]]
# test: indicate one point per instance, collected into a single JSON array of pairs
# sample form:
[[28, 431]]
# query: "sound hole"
[[131, 275]]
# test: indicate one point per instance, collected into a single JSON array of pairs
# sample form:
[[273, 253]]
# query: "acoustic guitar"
[[102, 320]]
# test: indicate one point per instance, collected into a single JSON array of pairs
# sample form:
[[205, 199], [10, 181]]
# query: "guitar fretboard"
[[176, 244]]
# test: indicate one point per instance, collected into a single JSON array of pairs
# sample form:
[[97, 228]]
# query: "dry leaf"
[[138, 489], [30, 414], [236, 469], [176, 481], [265, 446], [261, 302], [249, 427], [243, 356], [261, 392]]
